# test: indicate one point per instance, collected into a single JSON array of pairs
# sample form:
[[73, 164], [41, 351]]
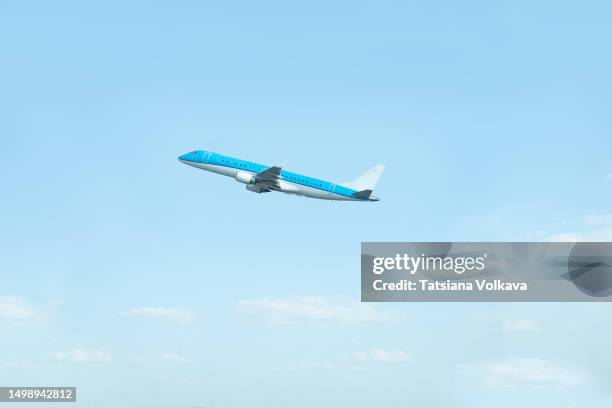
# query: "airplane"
[[264, 179]]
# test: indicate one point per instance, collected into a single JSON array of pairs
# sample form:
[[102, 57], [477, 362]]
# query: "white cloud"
[[318, 366], [15, 308], [309, 310], [382, 356], [599, 235], [601, 232], [138, 359], [82, 356], [609, 177], [344, 364], [23, 365], [174, 358], [361, 360], [521, 325], [523, 372], [163, 313], [592, 219]]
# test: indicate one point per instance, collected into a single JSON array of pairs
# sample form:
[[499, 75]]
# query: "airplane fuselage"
[[290, 183]]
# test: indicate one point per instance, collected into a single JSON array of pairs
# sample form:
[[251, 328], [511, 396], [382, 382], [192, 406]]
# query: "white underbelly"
[[285, 186], [298, 189], [226, 171]]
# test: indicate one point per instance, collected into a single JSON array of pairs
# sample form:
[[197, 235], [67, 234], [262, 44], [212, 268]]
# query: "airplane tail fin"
[[368, 180]]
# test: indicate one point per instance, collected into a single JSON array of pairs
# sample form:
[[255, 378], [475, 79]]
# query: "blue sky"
[[148, 283]]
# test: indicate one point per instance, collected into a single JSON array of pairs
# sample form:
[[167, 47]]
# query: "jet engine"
[[245, 177], [257, 189]]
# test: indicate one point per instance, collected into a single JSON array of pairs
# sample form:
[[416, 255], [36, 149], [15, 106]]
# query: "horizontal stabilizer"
[[364, 195]]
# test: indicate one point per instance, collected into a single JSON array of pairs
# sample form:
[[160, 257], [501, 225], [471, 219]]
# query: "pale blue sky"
[[147, 283]]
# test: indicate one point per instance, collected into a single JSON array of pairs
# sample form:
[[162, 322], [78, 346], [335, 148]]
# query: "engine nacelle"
[[245, 177], [288, 187], [256, 189]]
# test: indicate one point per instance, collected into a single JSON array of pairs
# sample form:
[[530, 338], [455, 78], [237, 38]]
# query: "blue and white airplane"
[[263, 179]]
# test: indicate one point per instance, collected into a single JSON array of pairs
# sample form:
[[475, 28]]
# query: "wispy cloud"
[[523, 373], [601, 235], [174, 314], [16, 309], [82, 356], [361, 360], [309, 310], [382, 356], [609, 177], [319, 366], [521, 325], [21, 365], [605, 219], [24, 365], [174, 358], [595, 228]]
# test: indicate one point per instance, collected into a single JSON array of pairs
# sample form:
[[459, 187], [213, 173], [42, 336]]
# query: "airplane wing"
[[269, 176]]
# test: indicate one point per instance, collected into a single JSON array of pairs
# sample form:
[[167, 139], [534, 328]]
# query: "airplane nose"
[[191, 158]]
